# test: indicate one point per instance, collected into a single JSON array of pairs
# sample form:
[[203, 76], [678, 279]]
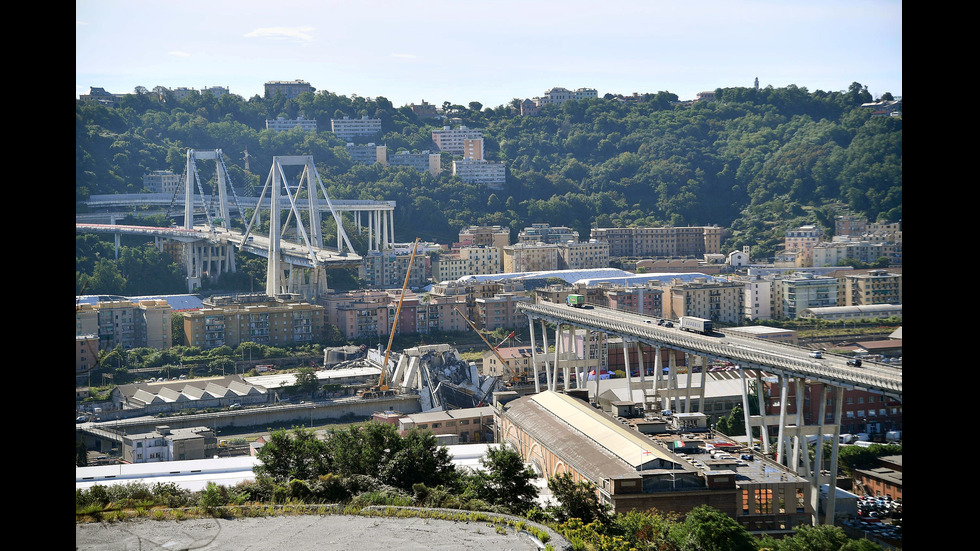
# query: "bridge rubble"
[[441, 378]]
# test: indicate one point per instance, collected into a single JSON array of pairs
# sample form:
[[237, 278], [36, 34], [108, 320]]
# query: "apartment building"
[[760, 299], [289, 88], [387, 269], [841, 249], [468, 425], [364, 154], [559, 95], [86, 353], [806, 290], [850, 226], [473, 149], [802, 240], [645, 300], [161, 181], [669, 241], [424, 110], [255, 318], [283, 124], [529, 108], [869, 288], [348, 129], [530, 257], [166, 444], [359, 314], [517, 362], [421, 162], [100, 95], [473, 260], [500, 312], [123, 322], [545, 233], [488, 236], [492, 174], [586, 255], [453, 140], [441, 313], [715, 300], [884, 233], [468, 292]]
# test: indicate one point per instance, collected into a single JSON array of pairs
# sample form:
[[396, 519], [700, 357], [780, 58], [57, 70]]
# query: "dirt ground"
[[299, 533]]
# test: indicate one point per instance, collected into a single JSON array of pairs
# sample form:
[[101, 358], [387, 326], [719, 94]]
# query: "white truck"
[[697, 325]]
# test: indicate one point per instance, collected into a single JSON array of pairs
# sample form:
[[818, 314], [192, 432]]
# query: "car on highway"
[[854, 362], [816, 354]]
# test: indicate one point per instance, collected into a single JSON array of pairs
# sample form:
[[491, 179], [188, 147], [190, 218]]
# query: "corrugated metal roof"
[[571, 446], [608, 433]]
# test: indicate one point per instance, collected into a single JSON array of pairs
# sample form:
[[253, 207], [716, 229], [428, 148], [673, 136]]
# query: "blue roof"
[[591, 277], [570, 276], [176, 302]]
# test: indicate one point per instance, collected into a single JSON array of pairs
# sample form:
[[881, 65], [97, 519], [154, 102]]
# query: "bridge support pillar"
[[547, 366], [794, 435]]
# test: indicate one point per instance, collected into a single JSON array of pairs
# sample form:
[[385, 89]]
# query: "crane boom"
[[490, 346], [408, 273]]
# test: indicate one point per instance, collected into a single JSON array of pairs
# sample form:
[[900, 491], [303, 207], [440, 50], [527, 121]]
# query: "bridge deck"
[[771, 357]]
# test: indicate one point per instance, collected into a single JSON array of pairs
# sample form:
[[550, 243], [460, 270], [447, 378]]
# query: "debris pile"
[[441, 378]]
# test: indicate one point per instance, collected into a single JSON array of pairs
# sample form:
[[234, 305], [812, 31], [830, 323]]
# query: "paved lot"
[[298, 533]]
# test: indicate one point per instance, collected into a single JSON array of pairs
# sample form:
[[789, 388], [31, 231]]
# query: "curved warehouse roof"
[[590, 277]]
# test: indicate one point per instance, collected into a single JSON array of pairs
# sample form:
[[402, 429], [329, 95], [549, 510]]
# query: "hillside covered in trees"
[[755, 161]]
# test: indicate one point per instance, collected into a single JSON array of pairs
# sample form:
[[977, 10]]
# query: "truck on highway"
[[697, 325], [577, 301]]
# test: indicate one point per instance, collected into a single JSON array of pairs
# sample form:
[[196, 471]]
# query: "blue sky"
[[489, 51]]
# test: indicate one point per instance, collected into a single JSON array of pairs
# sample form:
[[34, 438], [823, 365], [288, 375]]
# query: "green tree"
[[506, 480], [177, 328], [646, 529], [418, 460], [706, 529], [81, 454], [363, 449], [222, 364], [733, 424], [306, 380], [821, 538], [577, 500], [298, 454]]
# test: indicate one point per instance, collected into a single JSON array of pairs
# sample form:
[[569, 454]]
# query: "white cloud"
[[404, 56], [180, 54], [283, 33]]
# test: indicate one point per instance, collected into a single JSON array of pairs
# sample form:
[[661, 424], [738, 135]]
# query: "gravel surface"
[[298, 533]]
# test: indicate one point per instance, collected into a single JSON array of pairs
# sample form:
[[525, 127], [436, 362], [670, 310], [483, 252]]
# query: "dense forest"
[[756, 161]]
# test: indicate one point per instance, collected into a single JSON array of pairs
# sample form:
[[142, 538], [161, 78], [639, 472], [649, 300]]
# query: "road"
[[749, 352], [302, 533]]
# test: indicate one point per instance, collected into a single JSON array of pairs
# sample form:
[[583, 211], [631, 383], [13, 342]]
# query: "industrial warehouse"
[[669, 470]]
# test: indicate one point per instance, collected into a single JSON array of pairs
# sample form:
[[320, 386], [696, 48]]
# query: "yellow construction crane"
[[382, 389], [503, 365]]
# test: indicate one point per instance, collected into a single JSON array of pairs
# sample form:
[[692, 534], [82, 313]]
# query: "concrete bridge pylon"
[[282, 277]]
